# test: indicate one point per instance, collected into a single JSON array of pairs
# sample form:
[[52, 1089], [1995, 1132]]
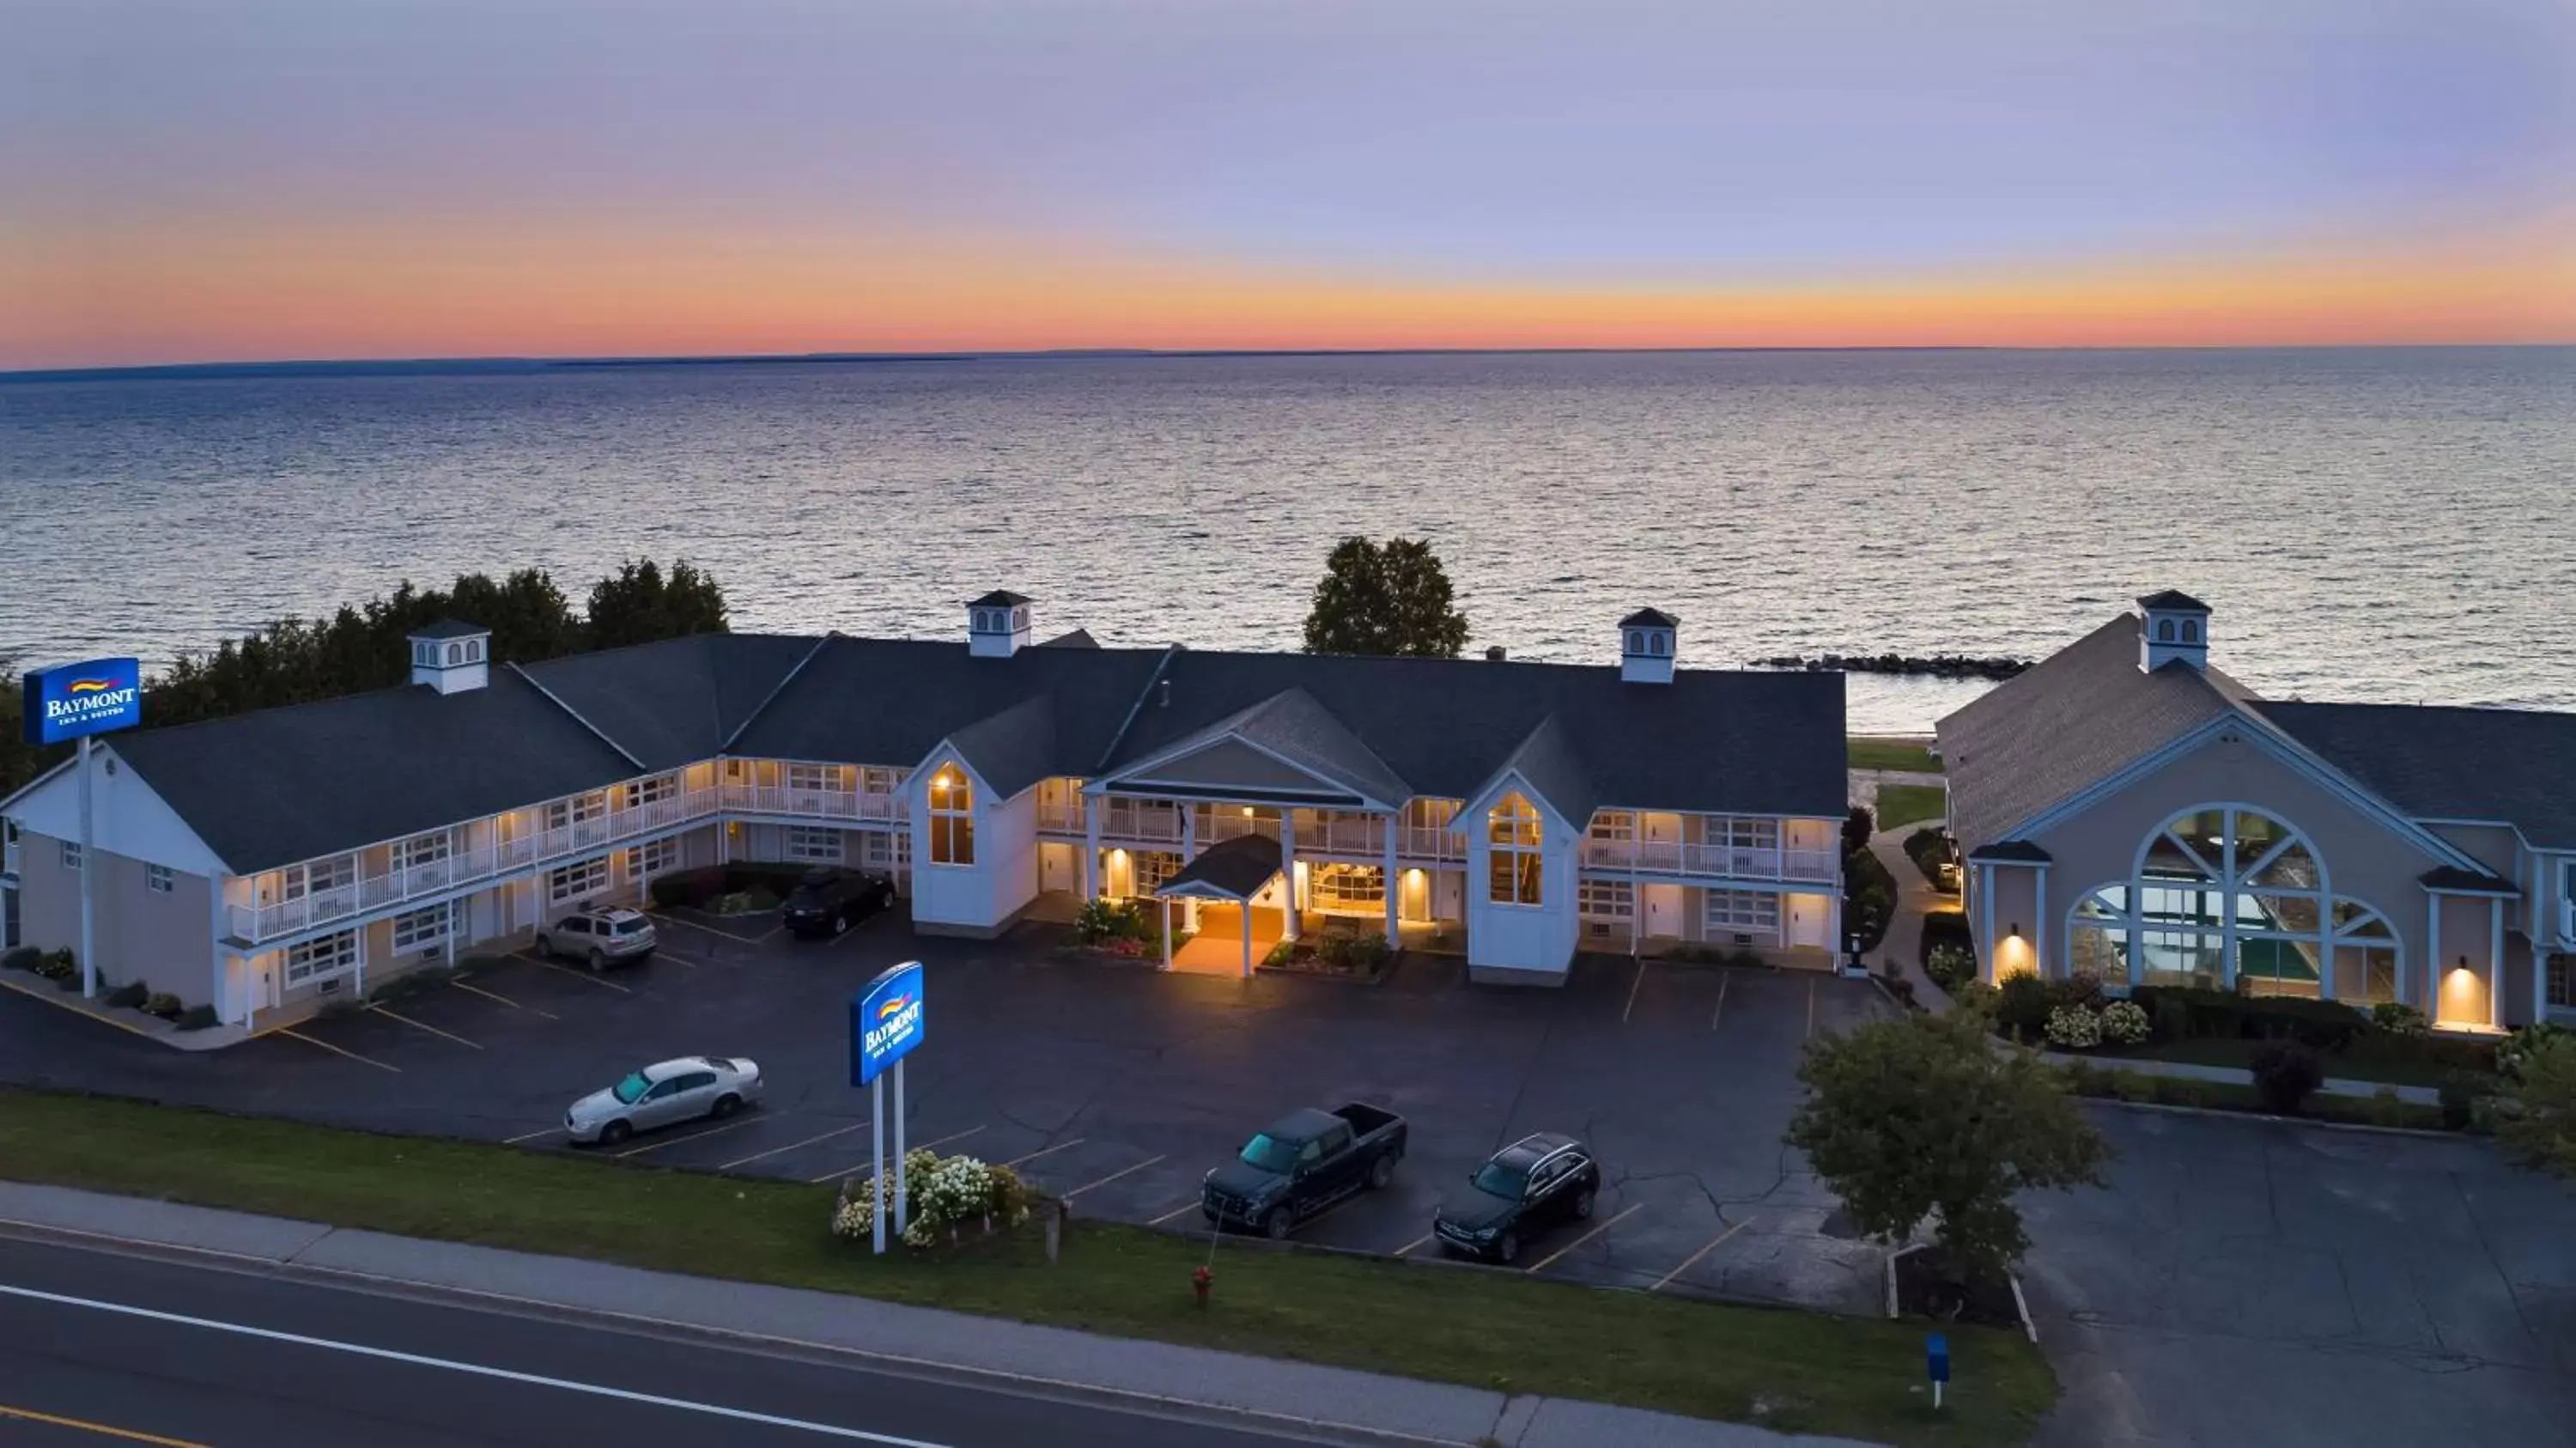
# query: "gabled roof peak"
[[2172, 600], [998, 598], [1650, 618]]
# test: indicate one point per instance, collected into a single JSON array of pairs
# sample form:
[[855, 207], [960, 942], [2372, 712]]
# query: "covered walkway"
[[1224, 880]]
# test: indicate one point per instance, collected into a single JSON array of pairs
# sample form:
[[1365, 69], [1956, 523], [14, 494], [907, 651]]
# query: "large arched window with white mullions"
[[2228, 893]]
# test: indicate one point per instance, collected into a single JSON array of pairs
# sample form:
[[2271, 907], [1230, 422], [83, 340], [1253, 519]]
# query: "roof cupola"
[[2173, 628], [1647, 639], [997, 625], [451, 657]]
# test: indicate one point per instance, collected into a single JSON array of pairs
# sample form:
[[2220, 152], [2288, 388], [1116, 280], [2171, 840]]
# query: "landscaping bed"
[[1337, 950], [746, 889], [1790, 1370], [1926, 1286], [2110, 1083], [1937, 856]]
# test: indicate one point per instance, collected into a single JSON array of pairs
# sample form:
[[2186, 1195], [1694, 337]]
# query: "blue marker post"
[[1936, 1361]]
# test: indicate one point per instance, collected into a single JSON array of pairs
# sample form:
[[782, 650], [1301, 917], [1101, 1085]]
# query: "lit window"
[[320, 959], [652, 859], [952, 818], [575, 881], [1605, 899], [1512, 829], [652, 791], [158, 880], [1349, 886], [818, 846], [577, 810]]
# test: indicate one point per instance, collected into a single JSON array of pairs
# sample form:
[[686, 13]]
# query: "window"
[[473, 651], [888, 849], [1731, 911], [1754, 834], [875, 779], [1613, 824], [2559, 985], [1605, 899], [323, 958], [1512, 830], [815, 778], [820, 846], [2165, 630], [422, 929], [421, 850], [652, 791], [580, 808], [71, 854], [1351, 887], [574, 881], [737, 771], [1153, 867], [2190, 631], [952, 817], [1655, 643], [1636, 641], [157, 879], [653, 858]]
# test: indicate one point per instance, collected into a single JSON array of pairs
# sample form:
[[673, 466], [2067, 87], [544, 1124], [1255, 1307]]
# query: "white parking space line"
[[913, 1145], [1693, 1259], [1408, 1247], [1551, 1257], [1720, 1013], [1191, 1205], [493, 995], [335, 1050], [1113, 1176], [1632, 990], [1047, 1151], [531, 1135], [580, 975], [727, 934], [1811, 1010], [424, 1026], [734, 1125], [791, 1146]]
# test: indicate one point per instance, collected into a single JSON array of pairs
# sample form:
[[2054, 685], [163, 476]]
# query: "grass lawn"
[[1900, 805], [1863, 753], [2238, 1052], [1810, 1372]]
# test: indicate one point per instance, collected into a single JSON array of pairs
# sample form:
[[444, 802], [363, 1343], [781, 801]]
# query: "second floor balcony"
[[855, 806], [1728, 862]]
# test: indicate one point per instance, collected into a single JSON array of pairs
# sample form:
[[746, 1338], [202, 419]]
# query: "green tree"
[[2536, 1119], [641, 604], [1390, 599], [1923, 1119]]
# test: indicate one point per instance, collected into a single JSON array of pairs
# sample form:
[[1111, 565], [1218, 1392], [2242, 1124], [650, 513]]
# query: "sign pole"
[[902, 1184], [88, 872], [876, 1182]]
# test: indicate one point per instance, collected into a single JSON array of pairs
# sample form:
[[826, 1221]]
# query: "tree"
[[641, 604], [1922, 1118], [2536, 1121], [1391, 599]]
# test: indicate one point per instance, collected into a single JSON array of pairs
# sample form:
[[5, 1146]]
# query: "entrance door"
[[1055, 867], [1663, 905], [1805, 923]]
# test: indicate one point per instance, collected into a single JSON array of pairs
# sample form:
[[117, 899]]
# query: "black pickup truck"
[[1302, 1163]]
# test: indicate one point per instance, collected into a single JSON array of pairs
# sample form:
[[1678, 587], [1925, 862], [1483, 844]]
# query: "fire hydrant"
[[1200, 1280]]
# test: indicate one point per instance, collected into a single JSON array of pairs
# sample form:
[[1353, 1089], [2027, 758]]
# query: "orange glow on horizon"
[[392, 288]]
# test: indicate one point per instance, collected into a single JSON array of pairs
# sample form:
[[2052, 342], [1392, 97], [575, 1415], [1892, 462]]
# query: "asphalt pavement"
[[105, 1347]]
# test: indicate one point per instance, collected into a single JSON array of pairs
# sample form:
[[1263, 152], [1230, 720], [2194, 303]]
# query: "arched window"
[[952, 817], [2191, 631], [1655, 644], [1512, 832], [2226, 893], [456, 653], [1636, 641], [2164, 630], [473, 651]]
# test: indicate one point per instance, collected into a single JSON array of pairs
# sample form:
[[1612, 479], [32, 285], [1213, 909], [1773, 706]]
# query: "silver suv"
[[601, 935]]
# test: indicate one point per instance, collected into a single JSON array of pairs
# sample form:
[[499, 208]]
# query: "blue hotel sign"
[[81, 699], [885, 1022]]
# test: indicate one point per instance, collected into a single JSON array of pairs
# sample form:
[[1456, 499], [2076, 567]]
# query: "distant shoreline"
[[469, 366]]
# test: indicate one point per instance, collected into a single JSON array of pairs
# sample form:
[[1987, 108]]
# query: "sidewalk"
[[1903, 947], [1336, 1402]]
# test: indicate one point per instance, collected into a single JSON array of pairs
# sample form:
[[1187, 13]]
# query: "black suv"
[[828, 902], [1528, 1187]]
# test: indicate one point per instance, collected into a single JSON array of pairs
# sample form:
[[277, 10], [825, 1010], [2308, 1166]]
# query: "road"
[[103, 1348]]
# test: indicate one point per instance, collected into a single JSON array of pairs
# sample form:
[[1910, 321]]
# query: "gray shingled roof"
[[2173, 598], [1013, 749], [1546, 762], [448, 628], [1295, 728], [1234, 869], [2438, 762], [282, 785], [678, 700], [2075, 717]]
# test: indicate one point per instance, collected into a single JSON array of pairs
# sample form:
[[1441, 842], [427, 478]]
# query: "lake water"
[[2368, 524]]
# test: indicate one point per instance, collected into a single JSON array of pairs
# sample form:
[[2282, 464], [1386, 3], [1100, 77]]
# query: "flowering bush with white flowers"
[[2124, 1023], [2074, 1027], [942, 1196]]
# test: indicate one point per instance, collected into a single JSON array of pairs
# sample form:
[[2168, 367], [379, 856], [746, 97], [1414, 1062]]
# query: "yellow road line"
[[1409, 1246], [1720, 1013], [335, 1050], [54, 998], [494, 995], [423, 1025], [1586, 1237], [1048, 1151], [1113, 1176], [530, 1135], [1191, 1205], [911, 1145], [1693, 1259], [734, 1125], [582, 975], [1632, 990], [30, 1415], [791, 1146]]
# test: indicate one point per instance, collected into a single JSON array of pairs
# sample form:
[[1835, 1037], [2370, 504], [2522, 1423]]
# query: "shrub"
[[1950, 965], [1931, 849], [129, 995], [687, 888], [2514, 1056], [2077, 1028], [1978, 999], [2022, 1005], [2287, 1073], [1745, 957], [2172, 1019], [2399, 1019], [943, 1194], [164, 1005], [196, 1018], [1858, 826], [1283, 953], [2464, 1098], [2082, 988], [2536, 1124], [2124, 1024], [2318, 1024], [24, 957], [1102, 922], [2385, 1108]]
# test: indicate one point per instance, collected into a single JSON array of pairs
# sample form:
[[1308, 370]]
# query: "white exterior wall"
[[126, 817], [981, 898], [1533, 938]]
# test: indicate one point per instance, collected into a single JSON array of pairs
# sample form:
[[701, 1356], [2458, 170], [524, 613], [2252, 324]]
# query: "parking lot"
[[1112, 1085]]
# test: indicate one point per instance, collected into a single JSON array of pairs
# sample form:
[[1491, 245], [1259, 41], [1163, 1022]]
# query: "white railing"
[[1061, 819], [1343, 835], [1132, 820], [470, 866], [2567, 915], [829, 804], [1229, 824], [1715, 861], [1426, 842]]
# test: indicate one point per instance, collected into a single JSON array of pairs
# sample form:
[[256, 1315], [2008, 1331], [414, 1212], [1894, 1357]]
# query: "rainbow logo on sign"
[[885, 1021], [78, 700]]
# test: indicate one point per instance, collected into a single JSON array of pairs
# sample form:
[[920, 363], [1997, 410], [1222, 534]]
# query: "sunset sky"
[[381, 178]]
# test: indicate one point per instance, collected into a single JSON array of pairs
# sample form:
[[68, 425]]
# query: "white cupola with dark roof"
[[451, 657], [997, 625], [2173, 628], [1647, 639]]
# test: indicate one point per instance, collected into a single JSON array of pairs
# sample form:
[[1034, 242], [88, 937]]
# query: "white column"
[[1985, 882], [2432, 957], [1167, 933], [1287, 878], [2495, 964], [1247, 937], [1091, 848], [1393, 889], [1189, 832]]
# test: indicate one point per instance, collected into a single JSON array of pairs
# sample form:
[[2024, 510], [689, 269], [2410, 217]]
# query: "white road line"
[[1191, 1205], [335, 1050], [423, 1025], [1632, 990], [1048, 1151], [494, 995], [529, 1136], [1409, 1246], [735, 1125], [581, 975], [596, 1390], [1720, 1013], [1586, 1237], [791, 1146], [1113, 1176], [831, 1176]]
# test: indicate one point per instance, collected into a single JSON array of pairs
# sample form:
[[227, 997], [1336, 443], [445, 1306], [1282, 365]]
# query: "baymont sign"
[[885, 1021], [83, 699]]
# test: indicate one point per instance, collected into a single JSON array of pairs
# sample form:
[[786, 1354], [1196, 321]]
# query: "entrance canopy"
[[1234, 871]]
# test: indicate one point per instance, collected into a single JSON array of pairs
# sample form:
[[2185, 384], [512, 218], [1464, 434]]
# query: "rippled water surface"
[[2394, 525]]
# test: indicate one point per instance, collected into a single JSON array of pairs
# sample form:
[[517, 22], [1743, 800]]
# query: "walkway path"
[[1903, 947]]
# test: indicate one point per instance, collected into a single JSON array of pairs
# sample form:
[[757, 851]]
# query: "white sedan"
[[659, 1095]]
